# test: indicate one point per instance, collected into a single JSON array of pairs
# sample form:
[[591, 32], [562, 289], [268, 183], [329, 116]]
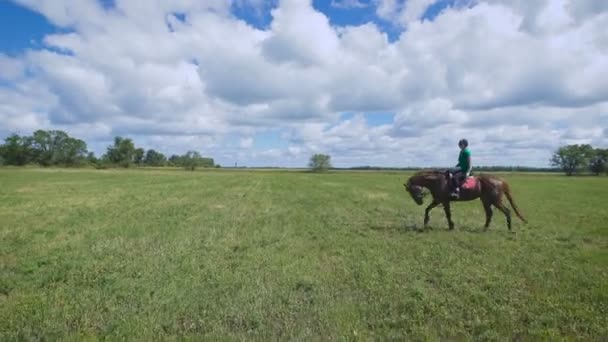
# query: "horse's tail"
[[507, 191]]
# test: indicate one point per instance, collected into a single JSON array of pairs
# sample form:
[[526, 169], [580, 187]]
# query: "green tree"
[[599, 161], [43, 146], [572, 158], [72, 152], [122, 152], [176, 160], [91, 159], [320, 162], [57, 148], [138, 157], [207, 162], [191, 160], [17, 150], [154, 158]]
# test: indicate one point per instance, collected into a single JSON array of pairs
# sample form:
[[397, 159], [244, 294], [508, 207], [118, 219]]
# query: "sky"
[[270, 83]]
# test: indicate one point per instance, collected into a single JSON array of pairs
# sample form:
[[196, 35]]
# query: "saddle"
[[469, 183], [464, 183]]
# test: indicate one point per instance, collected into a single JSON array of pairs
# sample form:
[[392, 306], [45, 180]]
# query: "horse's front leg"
[[448, 214], [427, 213]]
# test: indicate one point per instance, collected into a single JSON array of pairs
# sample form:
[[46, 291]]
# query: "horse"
[[488, 188]]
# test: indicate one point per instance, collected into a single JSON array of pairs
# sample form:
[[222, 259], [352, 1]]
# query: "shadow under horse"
[[489, 189]]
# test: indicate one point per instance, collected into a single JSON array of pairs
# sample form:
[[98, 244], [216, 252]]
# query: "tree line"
[[57, 148], [580, 158]]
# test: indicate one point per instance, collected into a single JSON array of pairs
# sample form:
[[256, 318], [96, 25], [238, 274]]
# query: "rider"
[[463, 168]]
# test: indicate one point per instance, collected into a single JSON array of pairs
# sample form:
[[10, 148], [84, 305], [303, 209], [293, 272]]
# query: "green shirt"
[[463, 160]]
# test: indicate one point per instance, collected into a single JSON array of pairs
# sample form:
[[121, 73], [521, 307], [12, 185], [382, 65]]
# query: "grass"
[[149, 255]]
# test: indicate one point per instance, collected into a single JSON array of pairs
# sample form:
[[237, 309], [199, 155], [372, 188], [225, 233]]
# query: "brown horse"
[[488, 188]]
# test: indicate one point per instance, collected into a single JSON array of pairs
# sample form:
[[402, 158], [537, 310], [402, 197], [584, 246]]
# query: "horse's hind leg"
[[487, 206], [448, 214], [506, 211]]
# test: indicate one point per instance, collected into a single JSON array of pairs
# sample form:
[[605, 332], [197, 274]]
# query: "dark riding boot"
[[455, 188], [456, 193]]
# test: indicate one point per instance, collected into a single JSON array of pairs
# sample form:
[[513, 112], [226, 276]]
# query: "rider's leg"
[[456, 183]]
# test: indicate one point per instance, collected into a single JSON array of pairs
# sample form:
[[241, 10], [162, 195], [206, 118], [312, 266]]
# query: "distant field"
[[151, 254]]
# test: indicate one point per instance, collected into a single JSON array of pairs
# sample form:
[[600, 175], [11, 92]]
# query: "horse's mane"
[[429, 173], [425, 174]]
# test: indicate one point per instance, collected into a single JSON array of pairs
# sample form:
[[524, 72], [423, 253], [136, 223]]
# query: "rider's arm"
[[470, 166]]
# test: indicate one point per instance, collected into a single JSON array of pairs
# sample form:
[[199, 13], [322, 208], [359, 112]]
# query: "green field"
[[151, 254]]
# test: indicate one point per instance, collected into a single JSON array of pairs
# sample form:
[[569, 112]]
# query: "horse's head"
[[415, 191]]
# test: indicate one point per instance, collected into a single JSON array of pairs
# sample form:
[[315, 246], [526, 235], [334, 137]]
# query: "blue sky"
[[371, 82], [21, 28]]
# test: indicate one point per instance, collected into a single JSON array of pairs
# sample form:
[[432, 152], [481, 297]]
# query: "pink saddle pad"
[[470, 183]]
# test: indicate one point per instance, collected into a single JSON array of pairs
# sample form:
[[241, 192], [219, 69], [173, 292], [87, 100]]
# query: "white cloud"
[[246, 143], [300, 35], [463, 52], [415, 9], [388, 9], [404, 12], [11, 69], [434, 113], [584, 9], [180, 75]]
